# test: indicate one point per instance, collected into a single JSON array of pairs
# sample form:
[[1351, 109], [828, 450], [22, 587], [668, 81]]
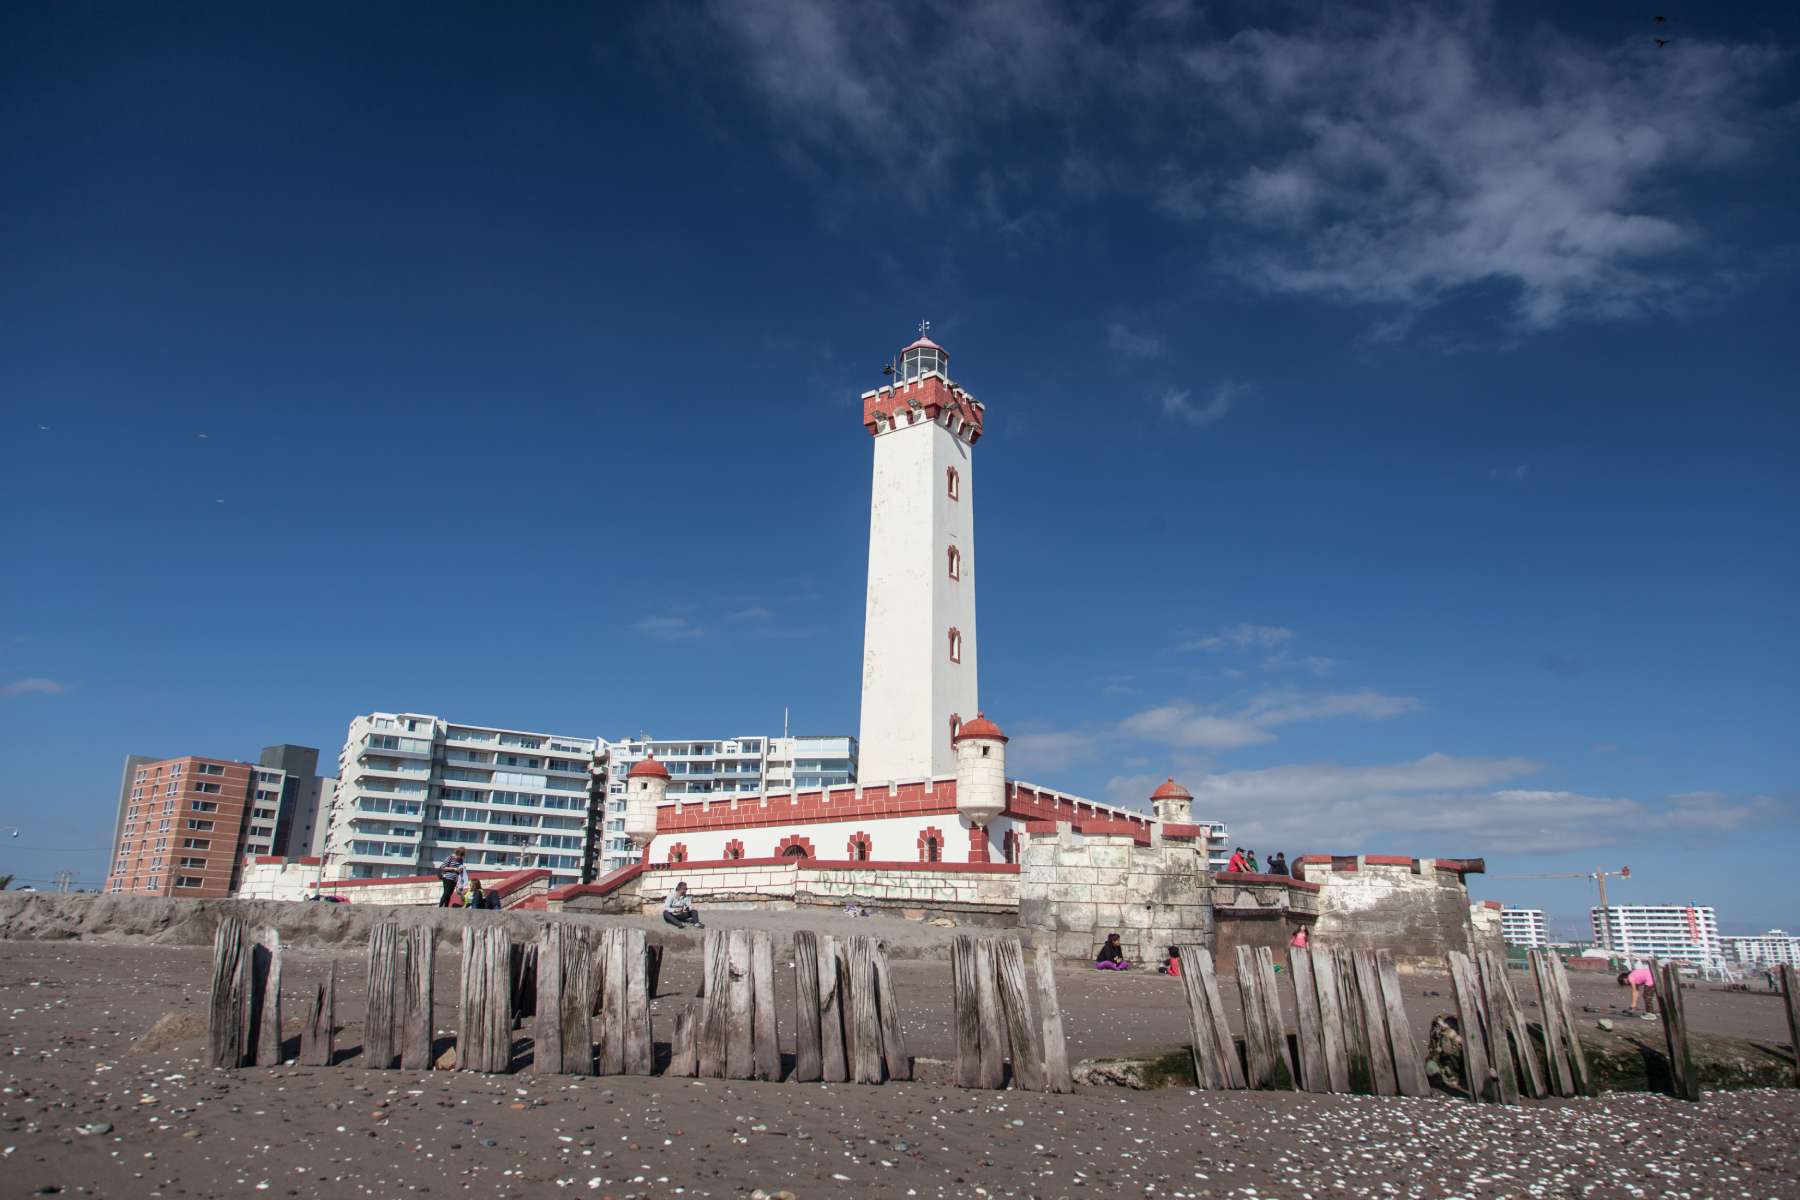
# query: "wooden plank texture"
[[767, 1050], [1499, 1038], [265, 978], [893, 1030], [966, 1007], [1683, 1079], [318, 1040], [386, 991], [683, 1056], [740, 1057], [418, 1000], [1409, 1064], [1584, 1082], [834, 1065], [808, 1052], [547, 1020], [1233, 1072], [1022, 1031], [1306, 1020], [1556, 1053], [1331, 1019], [613, 1001], [1208, 1072], [865, 1013], [573, 1007], [640, 1048], [225, 1032], [1790, 994], [1056, 1052], [992, 1073], [1276, 1021], [1259, 1063], [715, 1019], [484, 1027], [1505, 1013], [1477, 1072]]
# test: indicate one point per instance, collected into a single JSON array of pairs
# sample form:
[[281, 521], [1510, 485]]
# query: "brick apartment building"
[[186, 822]]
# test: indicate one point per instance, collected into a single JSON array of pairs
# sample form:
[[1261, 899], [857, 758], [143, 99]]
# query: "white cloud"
[[756, 613], [35, 686], [1185, 726], [1440, 804], [1243, 637], [670, 628], [1132, 344], [1396, 155], [1178, 404], [1038, 755]]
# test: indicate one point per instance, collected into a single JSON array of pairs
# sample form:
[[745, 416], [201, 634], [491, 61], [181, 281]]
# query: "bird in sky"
[[1660, 41]]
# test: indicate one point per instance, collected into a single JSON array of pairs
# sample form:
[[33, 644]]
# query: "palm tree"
[[5, 882]]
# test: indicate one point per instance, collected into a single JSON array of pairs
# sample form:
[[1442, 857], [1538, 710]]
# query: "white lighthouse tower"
[[919, 677]]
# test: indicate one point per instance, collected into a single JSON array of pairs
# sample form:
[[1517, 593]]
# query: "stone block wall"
[[1078, 883], [1417, 909], [1259, 910], [1486, 936]]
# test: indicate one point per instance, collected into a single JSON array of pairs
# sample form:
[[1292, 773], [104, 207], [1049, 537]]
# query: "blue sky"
[[1391, 421]]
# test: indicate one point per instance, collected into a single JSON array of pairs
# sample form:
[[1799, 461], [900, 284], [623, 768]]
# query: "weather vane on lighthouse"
[[924, 327]]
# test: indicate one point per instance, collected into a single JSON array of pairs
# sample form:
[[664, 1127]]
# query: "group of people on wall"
[[1111, 956], [1245, 861]]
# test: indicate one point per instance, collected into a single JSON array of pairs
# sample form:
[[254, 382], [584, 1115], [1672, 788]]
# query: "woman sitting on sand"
[[1112, 955]]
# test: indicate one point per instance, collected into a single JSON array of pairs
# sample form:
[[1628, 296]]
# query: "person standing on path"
[[453, 875]]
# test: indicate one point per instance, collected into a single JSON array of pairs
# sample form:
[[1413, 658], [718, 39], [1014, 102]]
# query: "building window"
[[734, 849], [794, 846], [678, 853], [201, 825], [1009, 846], [955, 725], [952, 484], [955, 645], [931, 845], [955, 563], [189, 881], [861, 846]]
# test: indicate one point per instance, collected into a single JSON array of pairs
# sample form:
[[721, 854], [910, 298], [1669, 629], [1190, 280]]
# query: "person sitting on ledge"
[[1299, 941], [1112, 955], [679, 910], [1173, 966], [474, 897], [1237, 860]]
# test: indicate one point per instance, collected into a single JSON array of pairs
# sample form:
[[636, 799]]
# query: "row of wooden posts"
[[1352, 1033]]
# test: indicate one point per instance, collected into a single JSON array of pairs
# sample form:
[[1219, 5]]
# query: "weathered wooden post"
[[418, 1023], [1685, 1083], [1477, 1071], [1214, 1050], [225, 1031], [484, 1035], [762, 987], [1258, 1042], [963, 985], [547, 1022], [1022, 1031], [715, 1012], [1056, 1053], [1331, 1019], [265, 993], [808, 1049], [318, 1041], [382, 1016], [1409, 1064], [1791, 996], [640, 1049], [893, 1032]]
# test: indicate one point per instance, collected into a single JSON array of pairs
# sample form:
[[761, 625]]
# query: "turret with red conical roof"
[[1172, 803]]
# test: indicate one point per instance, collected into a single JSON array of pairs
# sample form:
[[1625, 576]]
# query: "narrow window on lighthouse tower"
[[954, 483], [955, 726], [956, 645], [955, 563]]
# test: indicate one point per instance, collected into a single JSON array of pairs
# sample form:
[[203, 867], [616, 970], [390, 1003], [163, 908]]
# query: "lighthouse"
[[919, 647]]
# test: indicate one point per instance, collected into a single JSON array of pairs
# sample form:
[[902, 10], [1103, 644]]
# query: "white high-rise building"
[[1524, 927], [919, 647], [715, 768], [411, 787], [1685, 933], [1765, 949]]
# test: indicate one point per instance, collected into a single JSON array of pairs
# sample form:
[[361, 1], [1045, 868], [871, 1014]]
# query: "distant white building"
[[1524, 927], [1765, 949], [719, 768], [1686, 933], [412, 787]]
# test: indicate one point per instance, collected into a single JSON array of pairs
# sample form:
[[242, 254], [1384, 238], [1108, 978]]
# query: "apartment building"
[[1686, 933], [185, 824], [713, 767], [1765, 949], [412, 786], [1525, 927]]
